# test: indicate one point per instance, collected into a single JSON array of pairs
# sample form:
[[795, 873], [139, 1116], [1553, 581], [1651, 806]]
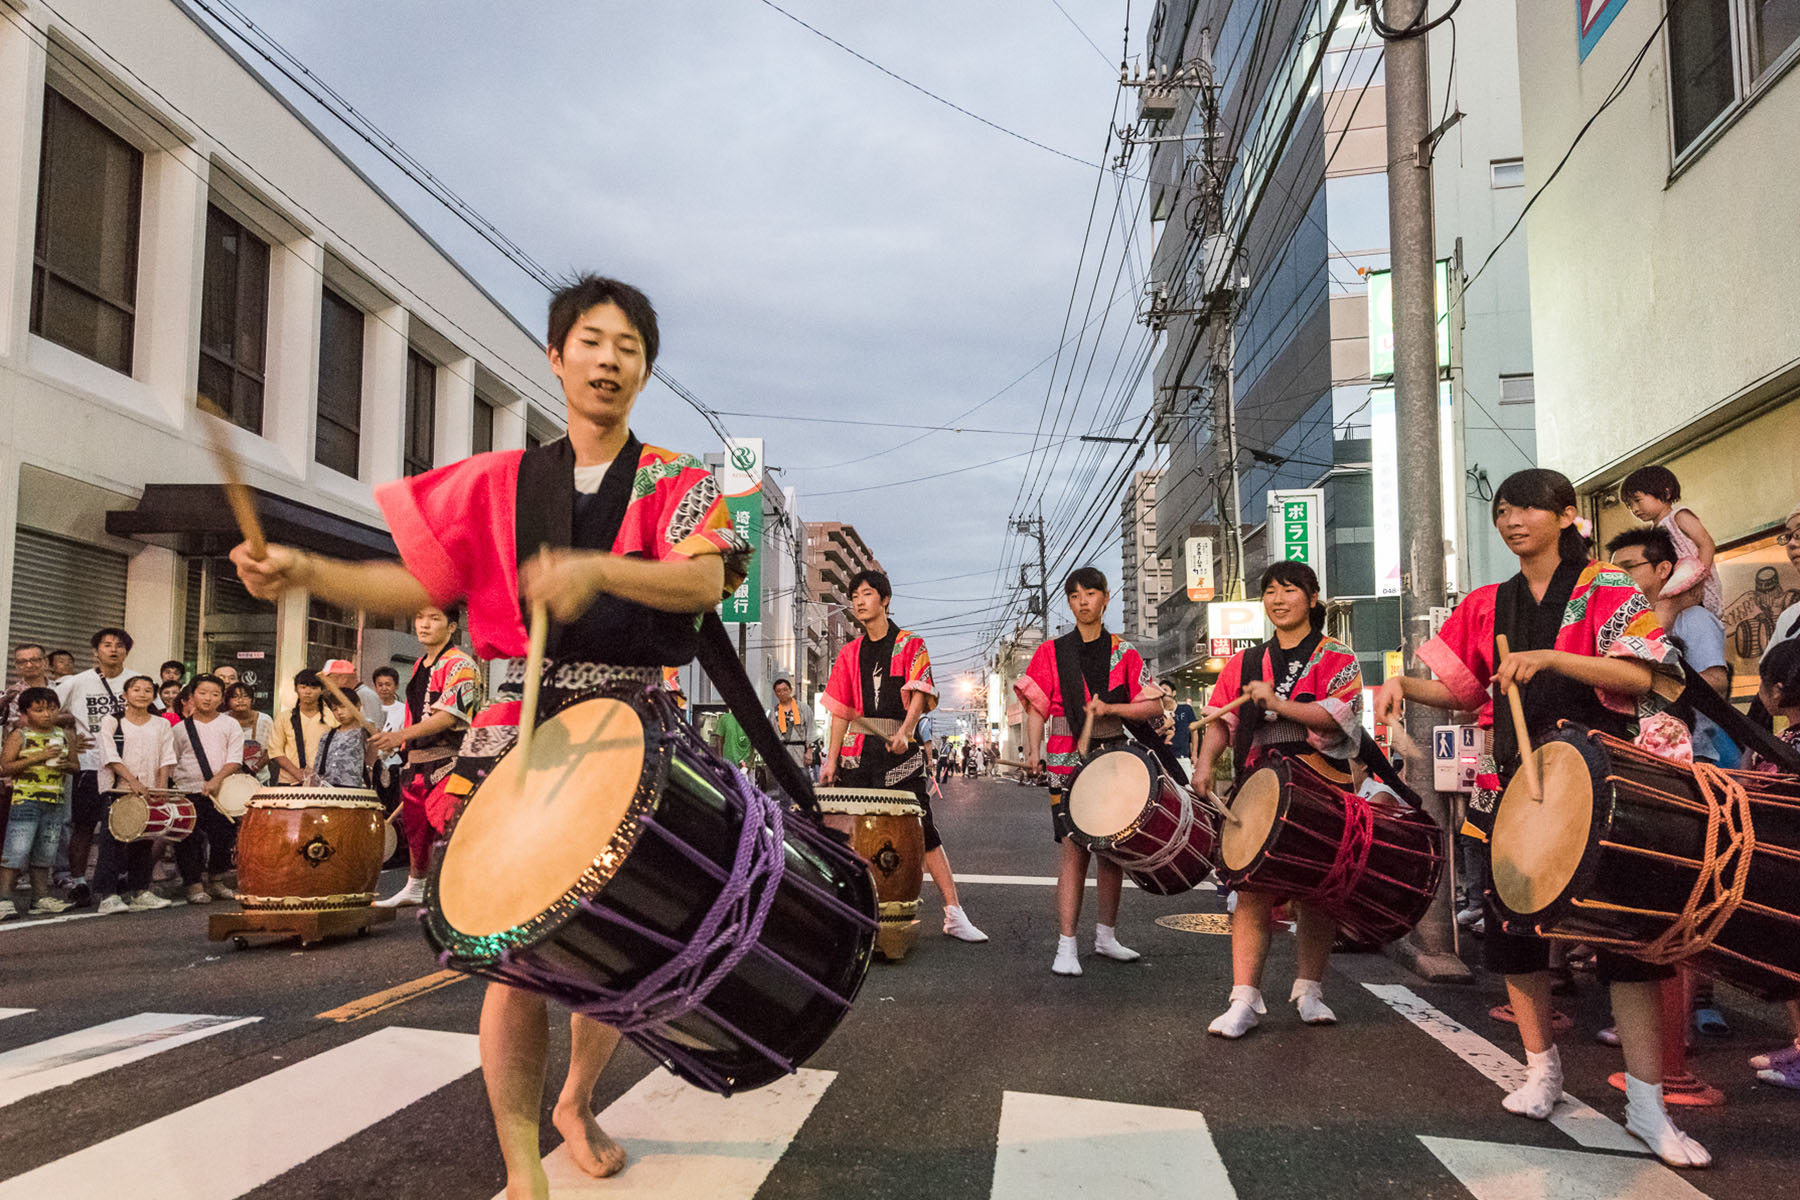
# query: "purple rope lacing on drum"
[[731, 927]]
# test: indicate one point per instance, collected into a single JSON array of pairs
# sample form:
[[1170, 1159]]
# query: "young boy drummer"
[[645, 545], [1115, 686], [1583, 646], [1307, 693], [879, 689]]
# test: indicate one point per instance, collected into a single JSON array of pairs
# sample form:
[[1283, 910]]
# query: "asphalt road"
[[964, 1073]]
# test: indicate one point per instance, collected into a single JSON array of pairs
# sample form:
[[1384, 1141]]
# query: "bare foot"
[[594, 1152], [534, 1185]]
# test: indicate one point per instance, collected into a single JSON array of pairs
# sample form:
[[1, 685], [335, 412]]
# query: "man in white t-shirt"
[[139, 752], [92, 696], [209, 748], [393, 720]]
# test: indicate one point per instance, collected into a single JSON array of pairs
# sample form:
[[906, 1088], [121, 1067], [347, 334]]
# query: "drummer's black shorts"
[[87, 807], [1059, 815], [1522, 954]]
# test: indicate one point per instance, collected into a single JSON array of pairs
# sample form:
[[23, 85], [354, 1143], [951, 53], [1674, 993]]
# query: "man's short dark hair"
[[33, 646], [386, 672], [212, 679], [875, 579], [180, 667], [167, 683], [60, 653], [31, 697], [779, 682], [1657, 545], [100, 635], [1092, 578], [1653, 481], [307, 677], [591, 291]]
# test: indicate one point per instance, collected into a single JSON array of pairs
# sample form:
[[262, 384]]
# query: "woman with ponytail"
[[1584, 645], [1305, 693]]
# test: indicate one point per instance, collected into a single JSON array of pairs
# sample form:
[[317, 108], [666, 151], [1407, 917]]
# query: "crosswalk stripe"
[[57, 1061], [681, 1141], [1059, 1146], [1588, 1127], [14, 1012], [1498, 1172], [264, 1127]]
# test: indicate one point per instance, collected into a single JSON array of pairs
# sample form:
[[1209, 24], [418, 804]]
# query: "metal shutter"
[[63, 591]]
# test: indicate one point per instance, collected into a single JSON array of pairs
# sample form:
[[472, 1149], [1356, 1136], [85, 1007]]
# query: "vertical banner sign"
[[1384, 470], [741, 482], [1199, 569], [1296, 529], [1381, 319]]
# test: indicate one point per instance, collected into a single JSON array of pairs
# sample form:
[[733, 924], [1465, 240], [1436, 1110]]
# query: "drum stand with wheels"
[[309, 925]]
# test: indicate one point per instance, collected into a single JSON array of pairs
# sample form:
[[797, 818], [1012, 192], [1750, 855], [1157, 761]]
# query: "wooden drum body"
[[134, 818], [309, 848], [1372, 864], [886, 829], [1616, 854], [1121, 803]]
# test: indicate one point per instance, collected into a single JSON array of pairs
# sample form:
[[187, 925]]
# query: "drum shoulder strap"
[[1249, 670], [1069, 683], [718, 658], [193, 732]]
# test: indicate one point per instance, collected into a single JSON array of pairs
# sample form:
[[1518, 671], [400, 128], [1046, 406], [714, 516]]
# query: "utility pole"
[[1035, 527], [1431, 948], [1225, 393]]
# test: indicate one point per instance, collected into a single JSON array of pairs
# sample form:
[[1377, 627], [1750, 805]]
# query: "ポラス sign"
[[741, 481], [1296, 529]]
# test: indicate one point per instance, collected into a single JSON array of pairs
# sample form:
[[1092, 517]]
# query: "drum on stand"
[[309, 848], [886, 829], [1621, 853], [135, 818], [1121, 803], [1373, 864], [631, 874]]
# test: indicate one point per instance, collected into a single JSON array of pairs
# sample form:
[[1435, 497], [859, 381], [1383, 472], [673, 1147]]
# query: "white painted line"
[[1056, 1146], [266, 1127], [14, 1012], [73, 1056], [1496, 1172], [1588, 1127], [682, 1141], [1050, 881], [24, 923]]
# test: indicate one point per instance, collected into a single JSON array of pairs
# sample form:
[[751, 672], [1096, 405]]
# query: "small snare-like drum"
[[1373, 864], [1650, 857], [886, 828], [309, 848], [235, 794], [1121, 803], [134, 818], [633, 875]]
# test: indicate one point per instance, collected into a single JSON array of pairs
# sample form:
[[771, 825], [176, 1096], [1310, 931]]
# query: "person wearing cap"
[[342, 672], [294, 749]]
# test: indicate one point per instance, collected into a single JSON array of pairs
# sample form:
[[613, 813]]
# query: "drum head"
[[1256, 805], [234, 795], [128, 818], [527, 835], [1109, 792], [1538, 846], [868, 802]]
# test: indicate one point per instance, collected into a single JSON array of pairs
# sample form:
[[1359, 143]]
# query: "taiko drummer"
[[1584, 645], [1114, 684], [1305, 697], [653, 547]]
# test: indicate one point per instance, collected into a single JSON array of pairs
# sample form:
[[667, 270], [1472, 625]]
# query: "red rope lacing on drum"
[[1730, 847], [1352, 853]]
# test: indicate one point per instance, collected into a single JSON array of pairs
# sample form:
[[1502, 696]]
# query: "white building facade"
[[171, 228]]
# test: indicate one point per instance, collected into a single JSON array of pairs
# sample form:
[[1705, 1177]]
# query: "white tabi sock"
[[1309, 996], [1542, 1088], [1647, 1120], [1068, 960], [1106, 944], [1240, 1017]]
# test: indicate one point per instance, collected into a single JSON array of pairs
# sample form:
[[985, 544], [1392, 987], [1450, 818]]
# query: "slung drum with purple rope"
[[634, 876]]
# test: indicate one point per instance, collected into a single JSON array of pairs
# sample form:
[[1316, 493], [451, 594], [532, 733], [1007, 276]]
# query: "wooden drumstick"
[[534, 667], [343, 697], [1214, 715], [1087, 732], [1527, 760], [237, 492]]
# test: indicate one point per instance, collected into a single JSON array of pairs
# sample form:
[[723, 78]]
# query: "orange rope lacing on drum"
[[1730, 848], [1352, 852]]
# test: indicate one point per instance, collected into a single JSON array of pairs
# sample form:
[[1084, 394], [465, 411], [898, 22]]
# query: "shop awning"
[[193, 518]]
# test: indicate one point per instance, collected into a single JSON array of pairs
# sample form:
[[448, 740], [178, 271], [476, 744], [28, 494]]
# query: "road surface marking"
[[1050, 881], [14, 1012], [1055, 1146], [20, 926], [73, 1056], [399, 994], [1587, 1126], [263, 1128], [681, 1141], [1496, 1172]]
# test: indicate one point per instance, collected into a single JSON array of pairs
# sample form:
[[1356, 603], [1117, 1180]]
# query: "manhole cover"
[[1197, 922]]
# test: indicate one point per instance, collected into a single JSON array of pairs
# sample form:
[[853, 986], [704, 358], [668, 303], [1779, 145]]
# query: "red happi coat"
[[1041, 688], [843, 690], [1331, 678]]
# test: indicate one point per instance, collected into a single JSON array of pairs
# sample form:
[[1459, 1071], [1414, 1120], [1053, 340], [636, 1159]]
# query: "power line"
[[1076, 25]]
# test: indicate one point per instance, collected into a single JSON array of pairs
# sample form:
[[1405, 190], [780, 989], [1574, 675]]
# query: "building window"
[[338, 443], [532, 440], [481, 438], [1719, 52], [84, 268], [421, 413], [1506, 173], [1518, 389], [233, 320]]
